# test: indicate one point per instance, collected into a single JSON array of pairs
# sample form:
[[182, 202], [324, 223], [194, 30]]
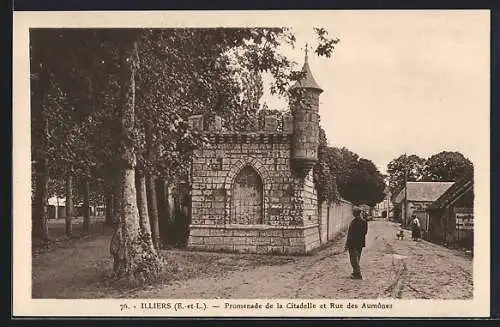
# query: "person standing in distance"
[[415, 228], [356, 241]]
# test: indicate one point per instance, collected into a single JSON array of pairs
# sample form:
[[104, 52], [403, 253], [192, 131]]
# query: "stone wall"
[[254, 238], [289, 205], [334, 218], [286, 196]]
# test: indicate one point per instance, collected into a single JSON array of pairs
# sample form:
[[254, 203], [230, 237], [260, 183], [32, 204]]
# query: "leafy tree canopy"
[[448, 166], [396, 169], [341, 173], [443, 166], [179, 72]]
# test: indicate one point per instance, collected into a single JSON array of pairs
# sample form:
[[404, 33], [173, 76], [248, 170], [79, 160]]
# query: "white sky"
[[402, 82]]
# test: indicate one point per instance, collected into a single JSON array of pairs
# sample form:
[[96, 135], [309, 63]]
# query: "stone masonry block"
[[280, 241], [312, 246], [199, 247], [294, 250], [262, 249], [296, 241], [257, 240], [245, 232], [271, 232], [240, 240], [245, 248], [276, 249], [228, 240], [293, 232], [310, 231], [223, 247], [228, 233], [196, 240], [214, 240], [199, 232], [250, 240]]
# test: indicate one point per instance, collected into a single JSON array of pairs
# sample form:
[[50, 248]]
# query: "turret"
[[304, 103]]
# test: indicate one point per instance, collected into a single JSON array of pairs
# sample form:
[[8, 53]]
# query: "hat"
[[356, 210]]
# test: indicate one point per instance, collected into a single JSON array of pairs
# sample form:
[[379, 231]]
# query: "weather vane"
[[306, 49]]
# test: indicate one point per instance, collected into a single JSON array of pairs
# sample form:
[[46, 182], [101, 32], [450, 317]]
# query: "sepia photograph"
[[303, 155]]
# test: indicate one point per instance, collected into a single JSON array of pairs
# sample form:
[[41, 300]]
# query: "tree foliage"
[[415, 166], [440, 167], [108, 98], [324, 177], [341, 173], [448, 166], [366, 184]]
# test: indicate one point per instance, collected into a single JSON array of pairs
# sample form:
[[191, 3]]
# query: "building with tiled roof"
[[419, 195], [451, 216], [423, 191]]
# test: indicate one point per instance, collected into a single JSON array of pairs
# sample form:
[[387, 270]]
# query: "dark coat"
[[356, 233]]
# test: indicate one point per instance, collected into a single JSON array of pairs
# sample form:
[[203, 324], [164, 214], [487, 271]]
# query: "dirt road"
[[391, 268]]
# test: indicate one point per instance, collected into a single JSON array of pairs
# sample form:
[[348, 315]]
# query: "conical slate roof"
[[307, 82]]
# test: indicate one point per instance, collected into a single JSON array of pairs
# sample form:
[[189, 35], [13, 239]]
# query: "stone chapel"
[[254, 191]]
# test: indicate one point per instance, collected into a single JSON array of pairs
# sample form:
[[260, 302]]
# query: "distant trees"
[[341, 173], [448, 166], [415, 171], [366, 184], [443, 166]]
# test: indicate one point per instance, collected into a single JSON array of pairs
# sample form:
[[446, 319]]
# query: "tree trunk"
[[151, 189], [109, 198], [142, 204], [161, 206], [40, 128], [69, 203], [86, 205], [133, 258], [153, 211], [163, 211], [40, 227]]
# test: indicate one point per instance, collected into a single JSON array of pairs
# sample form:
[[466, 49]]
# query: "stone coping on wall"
[[245, 226], [248, 137]]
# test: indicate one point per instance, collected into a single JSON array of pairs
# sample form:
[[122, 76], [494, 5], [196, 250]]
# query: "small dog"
[[400, 235]]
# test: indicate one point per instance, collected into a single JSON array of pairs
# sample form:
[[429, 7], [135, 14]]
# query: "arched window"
[[247, 192]]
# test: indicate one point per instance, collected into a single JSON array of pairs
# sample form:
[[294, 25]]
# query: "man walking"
[[356, 241]]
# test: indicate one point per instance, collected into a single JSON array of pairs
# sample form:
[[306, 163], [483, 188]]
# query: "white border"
[[22, 302]]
